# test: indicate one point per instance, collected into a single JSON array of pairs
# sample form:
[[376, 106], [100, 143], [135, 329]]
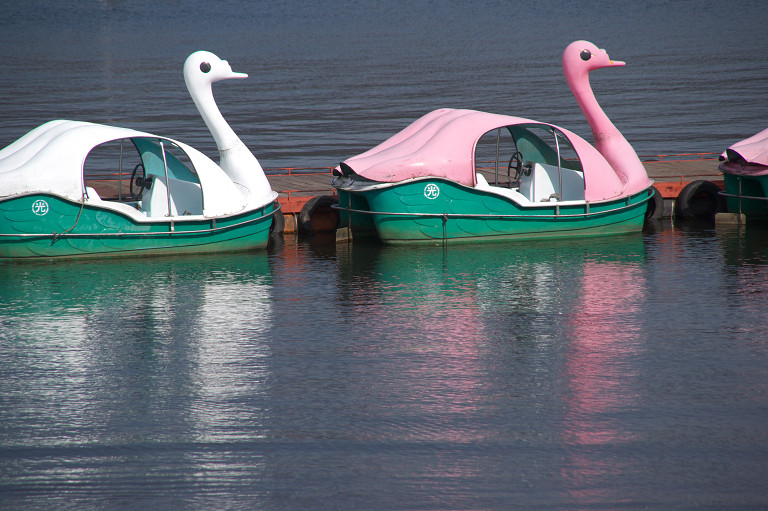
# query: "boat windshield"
[[500, 152], [124, 170]]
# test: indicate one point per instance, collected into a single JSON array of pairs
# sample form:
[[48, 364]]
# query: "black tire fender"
[[320, 203], [655, 206], [699, 199], [278, 223]]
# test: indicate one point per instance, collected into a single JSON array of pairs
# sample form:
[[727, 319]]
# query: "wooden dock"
[[669, 172], [295, 187]]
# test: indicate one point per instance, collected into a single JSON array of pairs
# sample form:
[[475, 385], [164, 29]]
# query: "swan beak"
[[617, 62], [231, 73]]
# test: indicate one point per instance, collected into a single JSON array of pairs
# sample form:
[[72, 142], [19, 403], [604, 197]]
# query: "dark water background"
[[331, 79], [621, 373]]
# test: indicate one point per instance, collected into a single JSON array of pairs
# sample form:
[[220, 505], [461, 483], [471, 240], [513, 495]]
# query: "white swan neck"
[[223, 134]]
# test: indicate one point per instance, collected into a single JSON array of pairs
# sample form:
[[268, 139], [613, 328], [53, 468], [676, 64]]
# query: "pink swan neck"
[[579, 59]]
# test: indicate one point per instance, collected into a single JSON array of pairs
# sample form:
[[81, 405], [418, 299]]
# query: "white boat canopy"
[[51, 159]]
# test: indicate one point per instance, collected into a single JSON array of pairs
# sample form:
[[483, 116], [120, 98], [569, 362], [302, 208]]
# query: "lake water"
[[620, 373], [330, 79], [628, 373]]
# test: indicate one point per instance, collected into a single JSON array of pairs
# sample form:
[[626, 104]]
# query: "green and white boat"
[[78, 189], [469, 175]]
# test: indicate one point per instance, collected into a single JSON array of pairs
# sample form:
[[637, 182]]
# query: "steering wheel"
[[138, 180], [517, 160]]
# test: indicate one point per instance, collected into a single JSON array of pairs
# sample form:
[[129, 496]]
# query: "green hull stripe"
[[405, 213], [61, 228]]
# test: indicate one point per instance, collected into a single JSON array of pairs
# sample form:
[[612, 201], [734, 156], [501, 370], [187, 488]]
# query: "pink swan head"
[[579, 58], [582, 57]]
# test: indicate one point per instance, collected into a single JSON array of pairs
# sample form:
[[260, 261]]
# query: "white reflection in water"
[[522, 284], [124, 362], [44, 359], [229, 360]]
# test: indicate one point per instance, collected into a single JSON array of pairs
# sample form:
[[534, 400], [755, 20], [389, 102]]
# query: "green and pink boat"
[[745, 173], [79, 189], [468, 175]]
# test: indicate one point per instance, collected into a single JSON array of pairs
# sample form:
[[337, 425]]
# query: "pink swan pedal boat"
[[79, 189], [467, 175], [745, 173]]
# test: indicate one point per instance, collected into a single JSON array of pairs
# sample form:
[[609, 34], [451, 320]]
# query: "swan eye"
[[585, 55], [205, 67]]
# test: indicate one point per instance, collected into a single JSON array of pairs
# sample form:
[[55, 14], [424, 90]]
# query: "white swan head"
[[203, 68]]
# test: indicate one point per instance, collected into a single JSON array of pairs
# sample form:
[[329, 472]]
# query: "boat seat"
[[512, 193], [543, 183], [185, 197], [95, 199]]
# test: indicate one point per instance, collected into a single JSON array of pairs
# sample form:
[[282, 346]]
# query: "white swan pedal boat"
[[73, 189]]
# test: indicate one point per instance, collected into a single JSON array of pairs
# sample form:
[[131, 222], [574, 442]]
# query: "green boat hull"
[[407, 212], [46, 226], [747, 195]]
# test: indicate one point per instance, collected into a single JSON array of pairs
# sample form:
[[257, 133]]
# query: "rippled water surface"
[[329, 80], [629, 372], [620, 373]]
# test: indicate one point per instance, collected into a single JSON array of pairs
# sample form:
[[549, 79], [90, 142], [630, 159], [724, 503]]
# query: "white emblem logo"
[[40, 207], [431, 191]]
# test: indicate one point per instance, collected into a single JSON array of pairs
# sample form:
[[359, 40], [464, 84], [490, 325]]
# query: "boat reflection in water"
[[567, 372], [501, 340], [130, 360], [417, 318]]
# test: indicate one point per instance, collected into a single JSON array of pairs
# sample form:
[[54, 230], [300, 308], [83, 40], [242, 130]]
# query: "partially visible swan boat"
[[74, 189], [470, 175], [745, 173]]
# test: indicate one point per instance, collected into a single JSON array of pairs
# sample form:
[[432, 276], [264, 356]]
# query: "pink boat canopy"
[[748, 156], [442, 144]]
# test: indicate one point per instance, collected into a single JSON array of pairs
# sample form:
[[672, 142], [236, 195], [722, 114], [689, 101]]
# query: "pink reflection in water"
[[429, 365], [600, 372]]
